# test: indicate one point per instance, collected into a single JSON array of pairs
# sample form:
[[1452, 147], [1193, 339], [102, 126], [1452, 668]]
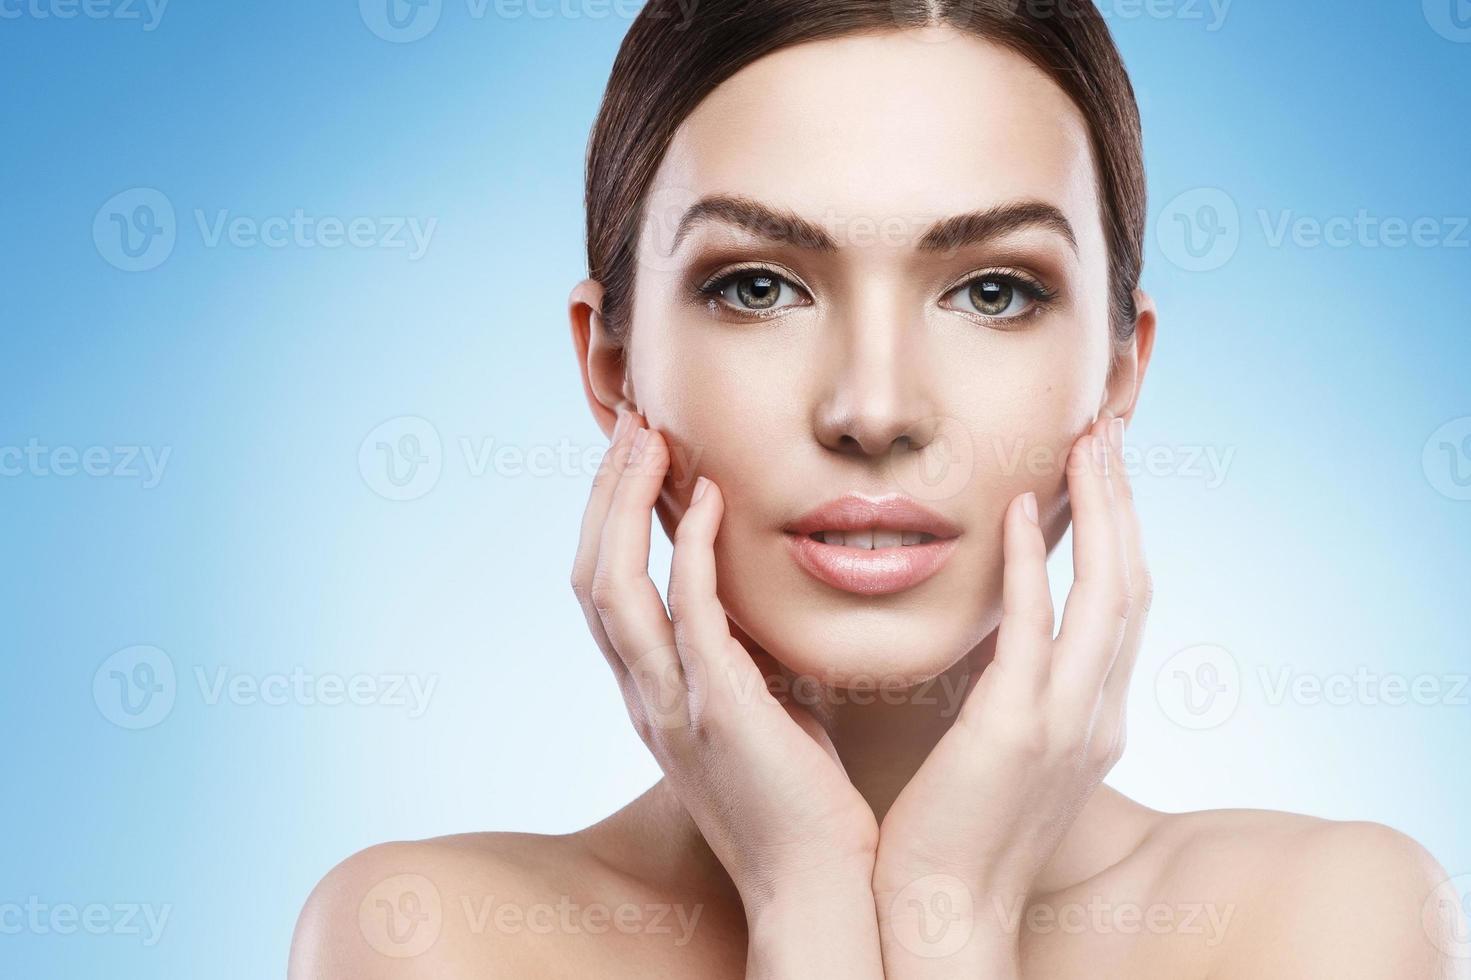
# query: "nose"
[[877, 399]]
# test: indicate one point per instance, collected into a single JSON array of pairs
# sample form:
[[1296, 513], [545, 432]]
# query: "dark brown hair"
[[669, 62]]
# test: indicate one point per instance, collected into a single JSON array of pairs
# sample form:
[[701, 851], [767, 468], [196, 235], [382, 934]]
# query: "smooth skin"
[[847, 836]]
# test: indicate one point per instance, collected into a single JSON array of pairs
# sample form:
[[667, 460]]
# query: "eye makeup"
[[760, 287]]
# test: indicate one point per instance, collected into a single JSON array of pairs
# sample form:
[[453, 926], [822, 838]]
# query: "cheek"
[[715, 396]]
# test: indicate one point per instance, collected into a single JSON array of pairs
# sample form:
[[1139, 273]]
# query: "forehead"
[[889, 125]]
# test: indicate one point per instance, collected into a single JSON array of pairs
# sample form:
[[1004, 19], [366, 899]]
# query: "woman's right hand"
[[760, 777]]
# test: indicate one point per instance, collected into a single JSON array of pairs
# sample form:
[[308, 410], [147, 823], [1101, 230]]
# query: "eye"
[[1000, 296], [754, 291]]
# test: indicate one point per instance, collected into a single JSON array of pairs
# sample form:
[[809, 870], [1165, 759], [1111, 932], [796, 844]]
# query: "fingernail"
[[639, 438], [621, 426], [1100, 455], [1116, 434], [700, 484], [1029, 506]]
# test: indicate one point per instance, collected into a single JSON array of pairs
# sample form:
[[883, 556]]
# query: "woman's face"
[[798, 361]]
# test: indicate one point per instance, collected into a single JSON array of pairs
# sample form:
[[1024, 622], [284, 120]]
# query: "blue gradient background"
[[265, 548]]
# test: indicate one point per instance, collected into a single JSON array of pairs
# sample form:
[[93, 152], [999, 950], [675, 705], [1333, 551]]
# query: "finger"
[[1024, 638], [624, 596], [593, 517], [718, 672], [1097, 607], [1141, 586]]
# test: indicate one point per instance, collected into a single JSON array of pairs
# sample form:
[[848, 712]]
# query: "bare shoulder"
[[398, 909], [1304, 896], [492, 905]]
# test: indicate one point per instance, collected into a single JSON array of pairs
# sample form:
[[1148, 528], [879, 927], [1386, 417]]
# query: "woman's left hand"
[[961, 847]]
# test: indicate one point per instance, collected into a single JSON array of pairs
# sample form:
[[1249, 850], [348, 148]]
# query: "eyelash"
[[709, 292]]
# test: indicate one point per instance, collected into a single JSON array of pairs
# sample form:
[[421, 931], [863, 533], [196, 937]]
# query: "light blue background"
[[1332, 543]]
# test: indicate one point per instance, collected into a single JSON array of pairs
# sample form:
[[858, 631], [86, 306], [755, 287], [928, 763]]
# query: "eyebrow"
[[787, 227]]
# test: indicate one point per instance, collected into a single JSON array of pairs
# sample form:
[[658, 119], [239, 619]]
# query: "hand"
[[761, 779], [1038, 731]]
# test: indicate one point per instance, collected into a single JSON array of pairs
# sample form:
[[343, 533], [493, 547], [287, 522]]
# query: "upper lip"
[[856, 512]]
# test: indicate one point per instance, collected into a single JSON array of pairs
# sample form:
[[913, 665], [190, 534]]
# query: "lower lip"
[[880, 571]]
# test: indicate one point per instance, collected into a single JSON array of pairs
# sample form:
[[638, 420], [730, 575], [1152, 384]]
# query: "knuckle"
[[604, 593], [579, 581]]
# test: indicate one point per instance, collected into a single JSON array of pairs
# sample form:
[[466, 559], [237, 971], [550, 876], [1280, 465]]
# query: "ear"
[[600, 358], [1127, 377]]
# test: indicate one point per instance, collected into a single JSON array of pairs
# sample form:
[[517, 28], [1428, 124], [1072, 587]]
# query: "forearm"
[[815, 929]]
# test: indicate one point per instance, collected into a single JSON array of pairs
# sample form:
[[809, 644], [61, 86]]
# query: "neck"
[[882, 740], [883, 737]]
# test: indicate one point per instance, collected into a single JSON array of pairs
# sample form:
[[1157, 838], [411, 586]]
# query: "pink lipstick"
[[871, 546]]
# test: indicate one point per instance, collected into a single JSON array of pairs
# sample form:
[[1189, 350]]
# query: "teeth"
[[872, 538]]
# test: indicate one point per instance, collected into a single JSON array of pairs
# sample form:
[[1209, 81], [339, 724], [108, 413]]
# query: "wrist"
[[938, 924], [814, 925], [836, 889]]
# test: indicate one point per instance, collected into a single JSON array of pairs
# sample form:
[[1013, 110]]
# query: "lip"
[[879, 571]]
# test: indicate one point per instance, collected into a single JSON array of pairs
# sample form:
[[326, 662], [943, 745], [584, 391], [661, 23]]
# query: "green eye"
[[755, 291], [999, 296]]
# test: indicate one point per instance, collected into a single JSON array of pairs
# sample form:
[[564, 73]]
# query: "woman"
[[863, 318]]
